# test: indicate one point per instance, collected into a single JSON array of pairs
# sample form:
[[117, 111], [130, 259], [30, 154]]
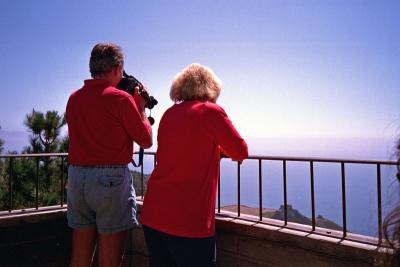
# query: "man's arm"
[[135, 121]]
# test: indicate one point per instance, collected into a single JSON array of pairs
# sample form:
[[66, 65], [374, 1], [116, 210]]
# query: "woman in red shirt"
[[179, 206]]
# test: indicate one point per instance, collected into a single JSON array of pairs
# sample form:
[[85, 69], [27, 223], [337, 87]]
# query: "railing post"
[[37, 184], [344, 199], [238, 192], [285, 193], [312, 194], [260, 187], [62, 182], [219, 187], [379, 191], [10, 196], [142, 179]]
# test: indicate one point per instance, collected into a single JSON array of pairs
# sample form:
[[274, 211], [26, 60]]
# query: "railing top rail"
[[257, 157], [330, 160], [34, 155], [315, 159]]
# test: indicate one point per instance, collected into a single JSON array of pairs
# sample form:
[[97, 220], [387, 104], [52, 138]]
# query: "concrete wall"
[[245, 243], [239, 243], [34, 239]]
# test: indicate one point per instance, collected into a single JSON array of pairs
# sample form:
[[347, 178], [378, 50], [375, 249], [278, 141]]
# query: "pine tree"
[[2, 178], [45, 137], [46, 129], [64, 144], [1, 144]]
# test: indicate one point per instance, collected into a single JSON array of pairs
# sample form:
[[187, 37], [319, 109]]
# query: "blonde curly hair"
[[195, 82]]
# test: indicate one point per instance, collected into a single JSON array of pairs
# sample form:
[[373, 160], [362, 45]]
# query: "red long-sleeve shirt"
[[182, 189], [103, 122]]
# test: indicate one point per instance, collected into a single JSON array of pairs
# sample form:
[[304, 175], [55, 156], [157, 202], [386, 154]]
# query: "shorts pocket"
[[111, 181]]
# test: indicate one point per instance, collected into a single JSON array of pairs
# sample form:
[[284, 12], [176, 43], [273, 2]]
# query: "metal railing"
[[38, 158], [260, 159], [311, 162]]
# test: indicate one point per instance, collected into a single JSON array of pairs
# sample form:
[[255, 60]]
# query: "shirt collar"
[[96, 83]]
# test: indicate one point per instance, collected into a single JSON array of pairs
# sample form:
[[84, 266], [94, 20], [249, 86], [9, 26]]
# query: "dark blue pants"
[[169, 250]]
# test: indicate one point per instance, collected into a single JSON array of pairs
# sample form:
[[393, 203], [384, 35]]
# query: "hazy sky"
[[289, 68]]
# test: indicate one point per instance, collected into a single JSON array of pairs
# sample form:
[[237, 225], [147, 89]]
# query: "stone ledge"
[[31, 216], [266, 245]]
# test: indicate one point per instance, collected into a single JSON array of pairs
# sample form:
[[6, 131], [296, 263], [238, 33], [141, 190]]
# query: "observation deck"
[[39, 236]]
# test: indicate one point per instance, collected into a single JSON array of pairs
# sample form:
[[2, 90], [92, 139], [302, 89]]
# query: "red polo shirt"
[[180, 199], [103, 122]]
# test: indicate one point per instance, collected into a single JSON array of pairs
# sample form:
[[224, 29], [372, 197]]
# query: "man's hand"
[[139, 100], [143, 92]]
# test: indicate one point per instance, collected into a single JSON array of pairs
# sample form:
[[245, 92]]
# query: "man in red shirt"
[[103, 123]]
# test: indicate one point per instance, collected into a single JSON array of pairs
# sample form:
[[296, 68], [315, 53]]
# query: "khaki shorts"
[[102, 197]]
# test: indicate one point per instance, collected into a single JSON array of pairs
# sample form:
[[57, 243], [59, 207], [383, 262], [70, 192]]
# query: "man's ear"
[[116, 70]]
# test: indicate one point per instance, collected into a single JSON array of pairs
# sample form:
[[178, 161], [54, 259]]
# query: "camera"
[[128, 83]]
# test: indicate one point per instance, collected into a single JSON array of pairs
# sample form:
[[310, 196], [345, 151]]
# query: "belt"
[[112, 166]]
